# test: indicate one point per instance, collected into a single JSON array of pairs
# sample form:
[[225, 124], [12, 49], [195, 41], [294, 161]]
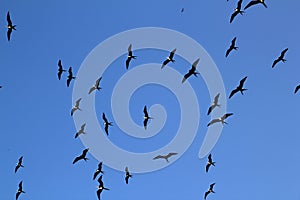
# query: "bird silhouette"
[[239, 88], [70, 77], [100, 187], [169, 58], [20, 190], [10, 26], [214, 104], [280, 58], [129, 56], [19, 164], [106, 123], [209, 163], [82, 156], [237, 10], [296, 89], [81, 131], [146, 117], [252, 3], [192, 71], [127, 175], [76, 107], [182, 10], [232, 47], [210, 190], [166, 157], [60, 69], [98, 171], [221, 119], [96, 86]]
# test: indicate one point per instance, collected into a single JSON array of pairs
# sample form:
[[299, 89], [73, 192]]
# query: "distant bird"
[[10, 26], [166, 157], [146, 117], [98, 171], [232, 47], [209, 163], [96, 86], [60, 69], [129, 56], [127, 175], [237, 10], [76, 107], [182, 10], [221, 119], [280, 58], [296, 89], [81, 131], [239, 88], [19, 164], [82, 156], [70, 76], [100, 187], [214, 104], [252, 3], [210, 190], [192, 71], [20, 190], [106, 123], [169, 58]]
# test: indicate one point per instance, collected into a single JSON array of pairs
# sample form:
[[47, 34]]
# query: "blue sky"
[[258, 153]]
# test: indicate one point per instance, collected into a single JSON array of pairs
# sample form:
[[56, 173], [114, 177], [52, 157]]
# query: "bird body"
[[166, 157], [19, 164], [76, 106], [214, 104], [209, 163], [280, 58], [210, 190], [98, 171], [82, 156], [169, 58], [237, 10], [127, 175], [20, 190], [70, 76], [239, 88], [100, 187], [192, 71], [232, 47], [106, 123], [221, 119], [129, 56], [10, 26], [96, 86], [81, 131], [60, 69], [146, 117]]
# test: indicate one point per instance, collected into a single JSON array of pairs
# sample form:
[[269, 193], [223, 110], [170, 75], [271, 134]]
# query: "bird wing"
[[8, 34], [165, 63], [213, 121], [228, 51], [145, 111], [296, 89], [98, 193], [251, 4], [59, 74], [145, 123], [216, 99], [127, 62], [210, 109], [233, 16], [106, 129], [171, 154], [98, 81], [16, 168], [104, 118], [172, 54], [126, 179], [72, 111], [129, 48], [233, 42], [82, 126], [186, 76], [209, 158], [283, 52], [69, 80], [239, 4], [243, 81], [206, 193], [207, 167], [275, 62], [77, 159], [100, 181], [8, 19], [233, 92], [96, 174], [158, 157], [126, 170], [70, 71], [212, 185], [92, 89], [77, 102], [194, 65], [227, 115]]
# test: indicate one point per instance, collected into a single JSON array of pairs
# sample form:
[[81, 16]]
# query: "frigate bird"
[[232, 47], [129, 56], [239, 88], [169, 58], [296, 89], [20, 190], [209, 163], [280, 58], [60, 69], [192, 71], [237, 10], [100, 187], [221, 119], [214, 104], [106, 123], [166, 157], [96, 86], [19, 164], [98, 171], [182, 10], [76, 107], [127, 175], [82, 156], [254, 2], [210, 190], [10, 26], [146, 117], [70, 77], [81, 131]]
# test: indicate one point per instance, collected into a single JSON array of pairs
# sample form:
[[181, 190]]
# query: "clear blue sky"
[[258, 153]]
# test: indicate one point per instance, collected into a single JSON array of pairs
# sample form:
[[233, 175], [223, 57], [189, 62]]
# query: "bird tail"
[[85, 159], [242, 91], [213, 163]]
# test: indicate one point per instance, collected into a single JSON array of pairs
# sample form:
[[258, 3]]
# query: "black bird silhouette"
[[129, 56], [60, 69], [76, 107], [96, 86], [237, 10], [100, 187], [214, 104], [81, 131], [221, 119], [169, 58], [252, 3], [296, 89], [70, 76], [209, 163], [192, 71], [127, 175], [82, 156], [232, 47], [239, 88], [10, 26], [20, 190], [98, 171], [146, 117], [182, 10], [280, 58], [106, 123], [210, 190], [166, 157], [19, 164]]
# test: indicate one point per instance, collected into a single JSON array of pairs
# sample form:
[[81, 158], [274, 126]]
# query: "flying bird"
[[96, 86], [10, 26], [100, 187], [239, 88], [232, 47], [60, 69], [280, 58], [254, 2], [166, 157], [127, 175], [81, 131], [129, 56], [192, 71], [221, 119], [210, 190], [98, 171], [20, 190], [169, 58], [209, 163], [296, 89], [106, 123], [182, 10], [76, 107], [70, 76], [19, 164], [237, 10], [146, 117], [214, 104], [82, 156]]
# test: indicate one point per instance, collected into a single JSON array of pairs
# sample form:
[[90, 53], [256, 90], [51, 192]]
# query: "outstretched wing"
[[8, 19], [283, 52], [213, 121], [104, 118], [158, 157], [165, 63], [233, 16], [251, 4], [243, 81], [127, 62], [8, 34], [296, 89], [233, 92]]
